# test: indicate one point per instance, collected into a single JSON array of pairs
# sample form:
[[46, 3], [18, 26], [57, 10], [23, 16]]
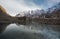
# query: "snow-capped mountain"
[[54, 11], [32, 13]]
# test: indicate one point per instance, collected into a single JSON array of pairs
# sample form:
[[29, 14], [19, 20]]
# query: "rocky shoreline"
[[48, 21]]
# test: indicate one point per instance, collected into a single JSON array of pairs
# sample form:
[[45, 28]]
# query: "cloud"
[[52, 2], [15, 6]]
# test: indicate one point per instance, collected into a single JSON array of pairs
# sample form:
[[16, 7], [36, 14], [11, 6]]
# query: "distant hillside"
[[3, 12], [54, 12], [4, 17]]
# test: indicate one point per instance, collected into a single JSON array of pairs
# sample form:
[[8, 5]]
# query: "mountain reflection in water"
[[29, 31]]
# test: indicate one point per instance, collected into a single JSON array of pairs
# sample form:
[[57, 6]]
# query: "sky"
[[13, 7]]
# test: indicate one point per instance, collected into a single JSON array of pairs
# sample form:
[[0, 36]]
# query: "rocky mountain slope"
[[4, 17], [54, 11]]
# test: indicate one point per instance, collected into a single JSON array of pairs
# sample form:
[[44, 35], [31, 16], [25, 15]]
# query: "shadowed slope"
[[3, 12], [4, 17]]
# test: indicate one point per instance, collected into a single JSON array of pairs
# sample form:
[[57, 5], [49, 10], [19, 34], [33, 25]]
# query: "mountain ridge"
[[54, 10]]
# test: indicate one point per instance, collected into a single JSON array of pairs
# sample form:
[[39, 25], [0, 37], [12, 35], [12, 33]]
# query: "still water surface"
[[29, 31]]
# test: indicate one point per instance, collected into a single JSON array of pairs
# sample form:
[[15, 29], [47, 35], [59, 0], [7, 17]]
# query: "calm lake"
[[29, 31]]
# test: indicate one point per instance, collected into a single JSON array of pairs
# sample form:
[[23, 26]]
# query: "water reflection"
[[3, 26], [30, 31]]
